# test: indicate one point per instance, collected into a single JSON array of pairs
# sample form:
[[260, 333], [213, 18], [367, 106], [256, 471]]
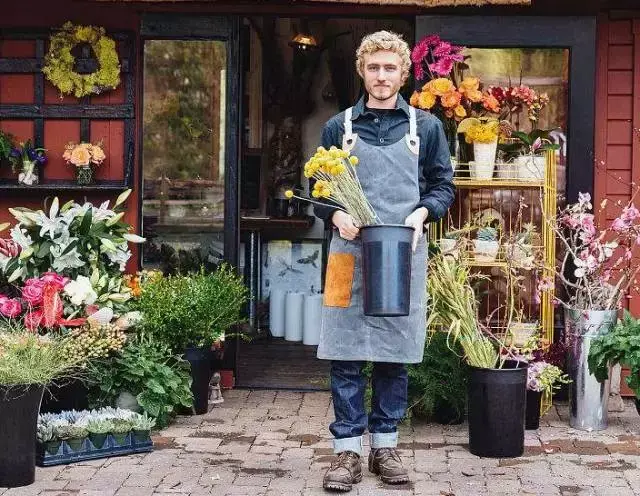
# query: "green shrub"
[[160, 381], [194, 309]]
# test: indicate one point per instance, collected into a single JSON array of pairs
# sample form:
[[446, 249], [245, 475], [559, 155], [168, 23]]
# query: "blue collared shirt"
[[380, 129]]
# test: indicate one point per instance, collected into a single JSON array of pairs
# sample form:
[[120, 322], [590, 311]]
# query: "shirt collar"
[[360, 108]]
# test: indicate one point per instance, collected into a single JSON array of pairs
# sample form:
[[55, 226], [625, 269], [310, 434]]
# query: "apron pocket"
[[339, 279]]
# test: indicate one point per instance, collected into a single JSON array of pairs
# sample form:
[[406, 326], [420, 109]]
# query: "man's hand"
[[416, 220], [346, 225]]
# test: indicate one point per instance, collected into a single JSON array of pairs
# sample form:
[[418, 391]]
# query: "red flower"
[[32, 294], [9, 248], [32, 319], [58, 281], [11, 308]]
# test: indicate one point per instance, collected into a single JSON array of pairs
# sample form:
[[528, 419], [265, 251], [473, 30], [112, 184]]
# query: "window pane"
[[183, 155]]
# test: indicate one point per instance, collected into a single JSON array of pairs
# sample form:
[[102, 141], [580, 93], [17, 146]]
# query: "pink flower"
[[32, 319], [9, 248], [32, 294], [11, 308], [3, 298], [442, 67], [619, 225], [34, 281], [58, 281]]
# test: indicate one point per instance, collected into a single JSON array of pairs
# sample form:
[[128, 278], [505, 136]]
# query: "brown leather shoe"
[[345, 471], [386, 462]]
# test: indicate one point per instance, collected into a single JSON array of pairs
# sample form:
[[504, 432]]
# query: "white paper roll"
[[293, 316], [276, 312], [312, 319]]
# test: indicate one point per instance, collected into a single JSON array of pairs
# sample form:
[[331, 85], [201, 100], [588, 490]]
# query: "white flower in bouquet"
[[81, 291]]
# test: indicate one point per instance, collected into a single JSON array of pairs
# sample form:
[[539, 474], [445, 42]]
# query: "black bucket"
[[19, 407], [532, 416], [386, 269], [496, 410], [200, 360]]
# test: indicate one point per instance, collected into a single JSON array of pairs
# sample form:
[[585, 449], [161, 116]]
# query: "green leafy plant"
[[160, 381], [143, 422], [99, 426], [194, 309], [621, 345], [6, 145], [70, 431], [439, 381]]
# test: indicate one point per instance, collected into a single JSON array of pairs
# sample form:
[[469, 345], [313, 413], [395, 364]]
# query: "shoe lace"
[[385, 453], [344, 460]]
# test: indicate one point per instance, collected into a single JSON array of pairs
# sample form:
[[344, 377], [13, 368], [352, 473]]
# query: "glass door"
[[189, 143]]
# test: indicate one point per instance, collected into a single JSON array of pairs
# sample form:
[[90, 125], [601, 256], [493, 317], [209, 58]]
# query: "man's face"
[[382, 74]]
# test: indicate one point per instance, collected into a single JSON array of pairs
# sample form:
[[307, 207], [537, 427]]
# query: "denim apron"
[[389, 178]]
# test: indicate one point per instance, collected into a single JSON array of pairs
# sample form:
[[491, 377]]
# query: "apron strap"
[[413, 141], [349, 138]]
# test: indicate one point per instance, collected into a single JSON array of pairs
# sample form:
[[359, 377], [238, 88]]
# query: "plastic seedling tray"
[[87, 451]]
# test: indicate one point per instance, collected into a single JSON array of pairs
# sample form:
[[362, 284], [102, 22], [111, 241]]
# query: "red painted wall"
[[18, 89], [617, 123]]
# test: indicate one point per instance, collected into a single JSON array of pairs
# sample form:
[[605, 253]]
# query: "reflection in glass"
[[183, 153]]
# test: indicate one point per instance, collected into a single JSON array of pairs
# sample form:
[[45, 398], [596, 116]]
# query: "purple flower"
[[15, 153]]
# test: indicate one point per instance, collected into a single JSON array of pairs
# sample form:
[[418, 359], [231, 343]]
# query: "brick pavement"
[[277, 443]]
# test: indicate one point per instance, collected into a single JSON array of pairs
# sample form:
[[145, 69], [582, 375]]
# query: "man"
[[405, 171]]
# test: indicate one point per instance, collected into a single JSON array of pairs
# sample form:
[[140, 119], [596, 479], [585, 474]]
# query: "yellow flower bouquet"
[[336, 180], [479, 130]]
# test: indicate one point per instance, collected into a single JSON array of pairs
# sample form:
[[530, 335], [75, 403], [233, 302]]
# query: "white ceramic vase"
[[485, 251], [484, 160]]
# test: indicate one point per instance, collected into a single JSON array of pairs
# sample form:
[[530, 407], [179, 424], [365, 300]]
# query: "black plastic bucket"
[[200, 360], [496, 410], [532, 416], [19, 407], [386, 269]]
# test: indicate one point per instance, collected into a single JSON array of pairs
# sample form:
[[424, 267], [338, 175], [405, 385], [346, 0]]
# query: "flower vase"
[[530, 167], [588, 398], [484, 160], [29, 173], [84, 175]]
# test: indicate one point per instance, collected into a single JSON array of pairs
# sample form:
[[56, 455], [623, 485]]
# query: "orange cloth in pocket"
[[339, 280]]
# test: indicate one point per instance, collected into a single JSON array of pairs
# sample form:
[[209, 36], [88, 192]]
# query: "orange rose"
[[415, 98], [440, 86], [469, 84], [474, 95], [460, 112], [80, 156], [426, 100], [451, 99], [97, 155], [490, 103]]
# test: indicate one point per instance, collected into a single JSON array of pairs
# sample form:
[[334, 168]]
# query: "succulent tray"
[[48, 454]]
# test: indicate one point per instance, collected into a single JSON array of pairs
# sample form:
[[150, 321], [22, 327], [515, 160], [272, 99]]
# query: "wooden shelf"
[[12, 185]]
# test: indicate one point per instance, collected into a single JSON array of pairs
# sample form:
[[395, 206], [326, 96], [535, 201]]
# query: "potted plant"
[[73, 435], [619, 346], [483, 133], [596, 275], [496, 427], [190, 313], [141, 427], [530, 164], [520, 250], [28, 363], [120, 429], [542, 379], [158, 380], [85, 157], [6, 145], [98, 430], [25, 161], [486, 245]]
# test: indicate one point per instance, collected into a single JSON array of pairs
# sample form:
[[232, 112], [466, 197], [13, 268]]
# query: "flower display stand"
[[64, 454]]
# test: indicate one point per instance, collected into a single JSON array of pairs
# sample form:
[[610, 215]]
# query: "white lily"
[[81, 291], [122, 197], [134, 238]]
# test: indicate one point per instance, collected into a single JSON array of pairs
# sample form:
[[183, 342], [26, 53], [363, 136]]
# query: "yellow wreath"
[[59, 61]]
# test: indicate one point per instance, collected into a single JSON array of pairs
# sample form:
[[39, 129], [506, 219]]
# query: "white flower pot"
[[484, 160], [530, 168], [507, 170], [521, 255], [521, 332], [449, 248], [485, 251]]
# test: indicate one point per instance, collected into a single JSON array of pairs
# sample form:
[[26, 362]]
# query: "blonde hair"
[[384, 40]]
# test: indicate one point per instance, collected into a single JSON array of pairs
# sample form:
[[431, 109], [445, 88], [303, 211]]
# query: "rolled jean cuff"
[[348, 444], [384, 440]]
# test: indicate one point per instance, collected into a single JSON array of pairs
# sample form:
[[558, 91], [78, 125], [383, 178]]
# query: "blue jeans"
[[388, 404]]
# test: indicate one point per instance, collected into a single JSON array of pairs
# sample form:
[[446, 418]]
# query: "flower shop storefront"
[[205, 127]]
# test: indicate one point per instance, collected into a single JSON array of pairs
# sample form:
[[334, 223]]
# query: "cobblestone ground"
[[277, 443]]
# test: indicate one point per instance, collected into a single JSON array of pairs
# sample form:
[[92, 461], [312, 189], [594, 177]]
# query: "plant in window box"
[[25, 161], [85, 157], [486, 244]]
